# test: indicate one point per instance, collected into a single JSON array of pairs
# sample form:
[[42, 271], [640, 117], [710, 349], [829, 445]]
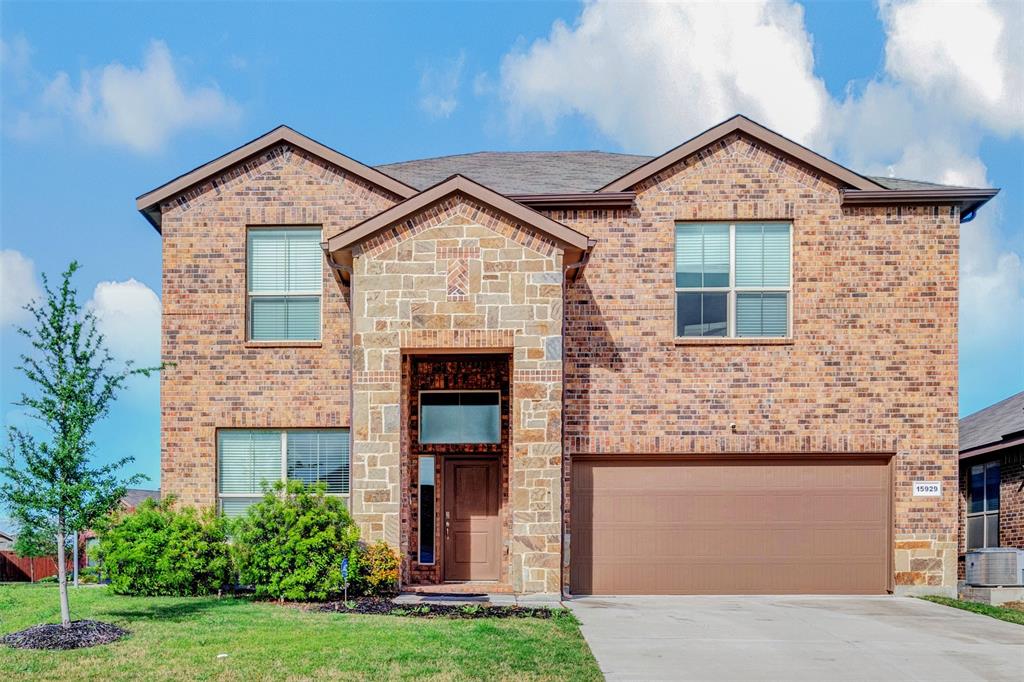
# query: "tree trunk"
[[62, 578]]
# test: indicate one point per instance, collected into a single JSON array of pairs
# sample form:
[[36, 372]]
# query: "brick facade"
[[215, 379], [871, 366]]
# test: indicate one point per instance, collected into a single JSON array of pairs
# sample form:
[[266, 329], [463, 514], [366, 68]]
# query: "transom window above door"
[[460, 417], [285, 282], [733, 279]]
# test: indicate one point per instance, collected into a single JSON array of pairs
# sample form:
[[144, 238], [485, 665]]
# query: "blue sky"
[[101, 102]]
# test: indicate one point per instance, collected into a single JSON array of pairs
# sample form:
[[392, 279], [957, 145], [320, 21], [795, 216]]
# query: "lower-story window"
[[983, 506], [248, 459]]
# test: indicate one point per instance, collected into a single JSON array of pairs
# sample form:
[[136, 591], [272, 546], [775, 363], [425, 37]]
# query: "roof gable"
[[149, 203], [757, 131], [560, 233], [339, 247]]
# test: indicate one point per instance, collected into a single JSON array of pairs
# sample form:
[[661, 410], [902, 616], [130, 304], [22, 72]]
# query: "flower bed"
[[386, 607]]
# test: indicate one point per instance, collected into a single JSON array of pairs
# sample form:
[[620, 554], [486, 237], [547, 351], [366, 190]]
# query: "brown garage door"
[[771, 526]]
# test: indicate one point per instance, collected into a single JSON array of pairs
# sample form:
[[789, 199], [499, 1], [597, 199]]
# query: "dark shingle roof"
[[550, 172], [994, 422], [133, 497], [520, 172], [903, 183]]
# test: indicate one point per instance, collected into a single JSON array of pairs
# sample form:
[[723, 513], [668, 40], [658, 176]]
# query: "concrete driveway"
[[796, 638]]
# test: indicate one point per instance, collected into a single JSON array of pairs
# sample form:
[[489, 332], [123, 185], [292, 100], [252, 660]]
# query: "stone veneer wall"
[[871, 367], [460, 276], [216, 379]]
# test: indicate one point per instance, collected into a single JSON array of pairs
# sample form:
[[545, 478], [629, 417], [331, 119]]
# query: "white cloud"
[[16, 56], [439, 87], [991, 297], [651, 75], [18, 286], [968, 53], [137, 107], [128, 315]]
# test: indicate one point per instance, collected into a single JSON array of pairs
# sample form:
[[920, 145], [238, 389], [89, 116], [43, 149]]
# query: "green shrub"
[[159, 550], [290, 544], [377, 570], [88, 575]]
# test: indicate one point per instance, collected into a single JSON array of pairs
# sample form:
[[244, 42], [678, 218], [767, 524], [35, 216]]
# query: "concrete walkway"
[[796, 638]]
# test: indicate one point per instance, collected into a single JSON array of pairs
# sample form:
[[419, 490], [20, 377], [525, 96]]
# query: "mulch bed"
[[385, 607], [81, 633]]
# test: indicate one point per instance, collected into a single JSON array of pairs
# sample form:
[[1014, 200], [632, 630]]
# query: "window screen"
[[284, 281], [246, 460], [249, 458], [732, 279], [319, 456]]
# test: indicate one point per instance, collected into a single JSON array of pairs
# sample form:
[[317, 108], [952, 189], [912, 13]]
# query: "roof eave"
[[565, 236], [992, 447], [149, 203], [576, 200], [968, 199]]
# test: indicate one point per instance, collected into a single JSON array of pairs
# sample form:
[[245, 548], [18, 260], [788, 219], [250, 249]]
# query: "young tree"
[[51, 485]]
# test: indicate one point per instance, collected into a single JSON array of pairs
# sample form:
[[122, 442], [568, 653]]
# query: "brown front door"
[[472, 532]]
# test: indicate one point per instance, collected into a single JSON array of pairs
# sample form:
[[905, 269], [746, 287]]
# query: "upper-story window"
[[733, 279], [285, 282]]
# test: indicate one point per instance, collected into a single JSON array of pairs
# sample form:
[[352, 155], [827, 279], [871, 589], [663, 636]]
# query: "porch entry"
[[458, 437], [472, 529]]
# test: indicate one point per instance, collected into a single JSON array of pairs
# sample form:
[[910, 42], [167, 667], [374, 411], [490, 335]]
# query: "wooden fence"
[[14, 568]]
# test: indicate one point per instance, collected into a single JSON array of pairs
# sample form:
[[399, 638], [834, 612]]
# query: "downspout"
[[348, 269], [561, 484]]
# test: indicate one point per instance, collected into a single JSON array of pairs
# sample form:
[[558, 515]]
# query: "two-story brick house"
[[720, 370]]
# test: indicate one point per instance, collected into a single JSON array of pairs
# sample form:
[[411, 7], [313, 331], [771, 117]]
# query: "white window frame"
[[732, 289], [987, 515], [284, 465], [250, 295], [419, 405]]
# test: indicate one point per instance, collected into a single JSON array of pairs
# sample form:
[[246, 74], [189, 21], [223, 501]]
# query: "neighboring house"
[[992, 477], [88, 541], [719, 370], [6, 541]]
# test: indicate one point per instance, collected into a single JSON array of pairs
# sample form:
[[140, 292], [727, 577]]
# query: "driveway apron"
[[796, 638]]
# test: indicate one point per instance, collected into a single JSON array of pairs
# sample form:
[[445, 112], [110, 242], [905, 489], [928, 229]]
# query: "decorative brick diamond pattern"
[[458, 280]]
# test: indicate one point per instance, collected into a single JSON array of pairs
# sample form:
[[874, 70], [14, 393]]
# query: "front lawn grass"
[[1009, 613], [181, 638]]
